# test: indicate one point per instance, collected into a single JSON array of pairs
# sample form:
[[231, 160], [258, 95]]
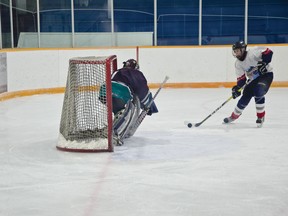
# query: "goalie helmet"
[[239, 50], [131, 63]]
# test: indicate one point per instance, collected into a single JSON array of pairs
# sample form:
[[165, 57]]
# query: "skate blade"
[[259, 125], [117, 141], [228, 123]]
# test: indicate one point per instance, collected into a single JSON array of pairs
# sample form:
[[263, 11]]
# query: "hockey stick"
[[189, 124], [144, 112]]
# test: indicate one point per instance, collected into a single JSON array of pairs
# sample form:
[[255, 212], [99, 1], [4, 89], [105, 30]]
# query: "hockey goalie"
[[130, 95]]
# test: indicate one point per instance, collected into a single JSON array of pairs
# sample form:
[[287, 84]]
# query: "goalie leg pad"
[[125, 119], [122, 118], [130, 130]]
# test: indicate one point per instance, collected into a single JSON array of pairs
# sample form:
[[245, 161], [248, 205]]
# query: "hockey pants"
[[257, 89]]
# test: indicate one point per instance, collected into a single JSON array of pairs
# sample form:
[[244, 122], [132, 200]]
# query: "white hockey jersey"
[[254, 55]]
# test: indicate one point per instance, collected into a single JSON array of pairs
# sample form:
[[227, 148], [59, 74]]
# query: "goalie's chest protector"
[[134, 79]]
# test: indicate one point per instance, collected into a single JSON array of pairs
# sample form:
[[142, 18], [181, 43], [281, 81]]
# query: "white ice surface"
[[166, 169]]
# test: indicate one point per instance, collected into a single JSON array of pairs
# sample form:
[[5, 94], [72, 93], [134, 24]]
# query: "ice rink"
[[165, 169]]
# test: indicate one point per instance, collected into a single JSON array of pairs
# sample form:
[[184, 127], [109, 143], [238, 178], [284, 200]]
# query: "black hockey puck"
[[189, 125]]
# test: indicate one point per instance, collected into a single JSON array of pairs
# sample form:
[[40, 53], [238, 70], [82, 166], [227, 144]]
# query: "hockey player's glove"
[[262, 67], [235, 91]]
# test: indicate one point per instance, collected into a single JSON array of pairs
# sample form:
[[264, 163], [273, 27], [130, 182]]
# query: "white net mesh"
[[86, 122]]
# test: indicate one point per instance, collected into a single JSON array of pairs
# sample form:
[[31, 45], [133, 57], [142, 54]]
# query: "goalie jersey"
[[137, 83]]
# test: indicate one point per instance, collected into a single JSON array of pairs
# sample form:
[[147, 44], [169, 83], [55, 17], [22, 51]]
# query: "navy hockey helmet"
[[131, 63], [241, 46]]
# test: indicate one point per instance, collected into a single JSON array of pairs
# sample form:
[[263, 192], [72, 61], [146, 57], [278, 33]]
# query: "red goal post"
[[86, 122]]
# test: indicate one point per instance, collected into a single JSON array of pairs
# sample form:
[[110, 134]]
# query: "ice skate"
[[116, 140], [228, 120], [260, 122]]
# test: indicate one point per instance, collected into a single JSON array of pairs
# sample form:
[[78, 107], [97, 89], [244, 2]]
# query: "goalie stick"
[[189, 124], [144, 112]]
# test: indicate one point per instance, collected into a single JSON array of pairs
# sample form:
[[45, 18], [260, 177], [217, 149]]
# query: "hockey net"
[[86, 122]]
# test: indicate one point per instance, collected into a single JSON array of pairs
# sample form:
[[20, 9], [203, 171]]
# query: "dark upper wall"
[[177, 20]]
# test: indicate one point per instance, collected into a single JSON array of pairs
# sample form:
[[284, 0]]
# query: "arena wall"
[[45, 70]]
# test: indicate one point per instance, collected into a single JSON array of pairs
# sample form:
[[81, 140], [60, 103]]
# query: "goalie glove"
[[262, 67]]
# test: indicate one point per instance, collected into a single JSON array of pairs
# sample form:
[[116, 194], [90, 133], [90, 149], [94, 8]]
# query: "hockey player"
[[254, 66], [130, 94]]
